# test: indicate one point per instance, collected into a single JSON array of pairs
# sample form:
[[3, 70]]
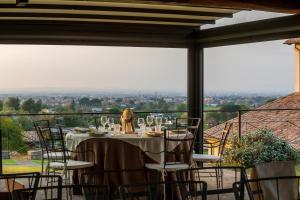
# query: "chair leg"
[[42, 164], [163, 175]]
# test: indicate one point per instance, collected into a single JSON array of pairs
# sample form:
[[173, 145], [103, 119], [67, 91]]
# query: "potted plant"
[[266, 154]]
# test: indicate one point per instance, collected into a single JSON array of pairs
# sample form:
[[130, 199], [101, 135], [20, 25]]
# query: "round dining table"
[[118, 151]]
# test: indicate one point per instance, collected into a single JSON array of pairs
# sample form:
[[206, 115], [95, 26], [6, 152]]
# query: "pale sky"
[[260, 67]]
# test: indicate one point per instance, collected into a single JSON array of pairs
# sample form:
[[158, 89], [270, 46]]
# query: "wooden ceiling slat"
[[103, 17], [112, 13], [161, 23], [286, 6], [121, 9], [162, 5]]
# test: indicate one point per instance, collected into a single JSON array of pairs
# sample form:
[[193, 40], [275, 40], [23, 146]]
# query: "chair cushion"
[[71, 164], [168, 167], [206, 158], [56, 155]]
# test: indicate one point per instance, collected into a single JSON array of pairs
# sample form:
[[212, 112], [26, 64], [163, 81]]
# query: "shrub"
[[259, 147]]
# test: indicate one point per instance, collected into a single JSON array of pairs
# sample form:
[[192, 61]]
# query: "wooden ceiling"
[[284, 6], [122, 12]]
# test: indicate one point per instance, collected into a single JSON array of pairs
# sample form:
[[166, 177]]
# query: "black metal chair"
[[139, 192], [43, 124], [188, 190], [232, 174], [218, 145], [60, 164], [113, 179], [272, 188], [193, 190], [50, 188], [192, 124], [12, 182], [177, 158], [174, 158], [96, 192]]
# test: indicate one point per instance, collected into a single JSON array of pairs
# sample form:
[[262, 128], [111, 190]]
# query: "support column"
[[195, 94], [297, 68], [1, 163]]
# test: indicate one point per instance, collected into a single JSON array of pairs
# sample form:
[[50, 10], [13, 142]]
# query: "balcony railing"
[[284, 126]]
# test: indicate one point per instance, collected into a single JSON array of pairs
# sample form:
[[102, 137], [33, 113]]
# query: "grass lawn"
[[39, 162], [19, 169], [8, 162]]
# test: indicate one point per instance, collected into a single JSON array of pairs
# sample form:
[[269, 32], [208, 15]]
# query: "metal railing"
[[241, 123], [284, 122]]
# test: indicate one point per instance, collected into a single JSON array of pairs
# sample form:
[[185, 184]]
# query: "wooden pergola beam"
[[257, 31], [286, 6], [95, 34], [120, 9]]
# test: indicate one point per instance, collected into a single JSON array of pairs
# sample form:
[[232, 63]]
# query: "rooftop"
[[284, 123]]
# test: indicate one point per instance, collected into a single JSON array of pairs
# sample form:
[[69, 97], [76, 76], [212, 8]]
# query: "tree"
[[13, 102], [25, 123], [31, 106], [12, 135], [84, 101], [181, 107], [227, 112], [71, 106], [95, 102], [1, 105], [38, 106], [115, 110]]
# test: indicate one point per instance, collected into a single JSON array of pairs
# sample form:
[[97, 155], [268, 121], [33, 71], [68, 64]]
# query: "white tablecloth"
[[152, 146]]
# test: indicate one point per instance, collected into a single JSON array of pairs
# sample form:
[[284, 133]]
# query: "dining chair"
[[233, 174], [45, 125], [190, 123], [12, 182], [113, 179], [139, 192], [193, 190], [49, 187], [189, 190], [219, 145], [177, 158], [96, 192], [54, 143], [277, 188]]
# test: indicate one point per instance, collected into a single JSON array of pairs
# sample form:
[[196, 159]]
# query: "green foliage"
[[13, 103], [31, 106], [25, 123], [181, 107], [12, 135], [75, 120], [95, 102], [259, 147], [115, 110], [227, 112], [1, 105], [84, 101], [71, 106]]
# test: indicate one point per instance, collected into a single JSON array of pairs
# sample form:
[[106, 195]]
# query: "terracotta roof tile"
[[285, 124]]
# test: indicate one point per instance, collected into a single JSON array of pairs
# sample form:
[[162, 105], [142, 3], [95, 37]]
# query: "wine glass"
[[104, 121], [111, 122], [149, 120], [158, 122], [141, 123]]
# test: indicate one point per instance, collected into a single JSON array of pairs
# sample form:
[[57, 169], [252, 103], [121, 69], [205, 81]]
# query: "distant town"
[[21, 127], [52, 103]]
